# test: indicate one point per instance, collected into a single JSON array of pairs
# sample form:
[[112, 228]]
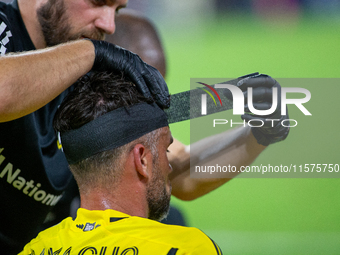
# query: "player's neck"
[[132, 202]]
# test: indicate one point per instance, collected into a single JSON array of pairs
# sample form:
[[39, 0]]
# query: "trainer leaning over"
[[37, 68]]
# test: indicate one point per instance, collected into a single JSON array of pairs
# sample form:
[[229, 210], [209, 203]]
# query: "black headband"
[[112, 130], [135, 121]]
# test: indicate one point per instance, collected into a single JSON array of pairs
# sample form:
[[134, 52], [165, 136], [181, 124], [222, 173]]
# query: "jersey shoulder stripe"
[[173, 251], [218, 250]]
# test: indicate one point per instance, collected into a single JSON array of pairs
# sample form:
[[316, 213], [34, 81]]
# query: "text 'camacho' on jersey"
[[90, 250]]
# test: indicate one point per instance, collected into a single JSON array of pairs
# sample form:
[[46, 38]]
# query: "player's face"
[[159, 190], [65, 20]]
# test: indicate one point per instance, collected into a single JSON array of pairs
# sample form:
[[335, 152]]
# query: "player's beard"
[[157, 196], [55, 25]]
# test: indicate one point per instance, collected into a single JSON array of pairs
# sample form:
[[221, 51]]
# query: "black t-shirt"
[[33, 171]]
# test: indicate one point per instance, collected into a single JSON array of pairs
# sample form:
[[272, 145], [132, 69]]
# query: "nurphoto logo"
[[239, 100]]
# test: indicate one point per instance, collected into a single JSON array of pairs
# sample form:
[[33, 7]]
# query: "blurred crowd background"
[[248, 6], [166, 11]]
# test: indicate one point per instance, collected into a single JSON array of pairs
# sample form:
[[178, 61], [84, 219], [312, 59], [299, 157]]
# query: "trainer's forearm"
[[237, 147], [32, 79]]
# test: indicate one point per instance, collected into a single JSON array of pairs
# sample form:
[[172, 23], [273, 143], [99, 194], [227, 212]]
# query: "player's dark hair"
[[94, 95]]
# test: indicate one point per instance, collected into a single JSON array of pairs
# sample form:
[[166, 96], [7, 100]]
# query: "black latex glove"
[[270, 132], [149, 81]]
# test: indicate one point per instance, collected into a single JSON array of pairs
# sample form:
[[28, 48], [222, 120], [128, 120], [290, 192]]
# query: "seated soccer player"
[[116, 144]]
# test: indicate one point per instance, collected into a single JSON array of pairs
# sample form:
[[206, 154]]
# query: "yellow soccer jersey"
[[111, 232]]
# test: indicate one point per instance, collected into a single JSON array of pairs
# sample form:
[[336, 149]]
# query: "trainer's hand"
[[149, 81], [271, 131]]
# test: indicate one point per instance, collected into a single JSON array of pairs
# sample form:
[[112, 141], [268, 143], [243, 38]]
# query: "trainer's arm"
[[30, 80], [236, 147]]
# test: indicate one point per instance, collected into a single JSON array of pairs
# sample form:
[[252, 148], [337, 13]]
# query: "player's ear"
[[142, 160]]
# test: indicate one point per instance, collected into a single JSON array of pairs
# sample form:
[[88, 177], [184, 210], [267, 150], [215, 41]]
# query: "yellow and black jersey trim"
[[172, 251], [218, 249]]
